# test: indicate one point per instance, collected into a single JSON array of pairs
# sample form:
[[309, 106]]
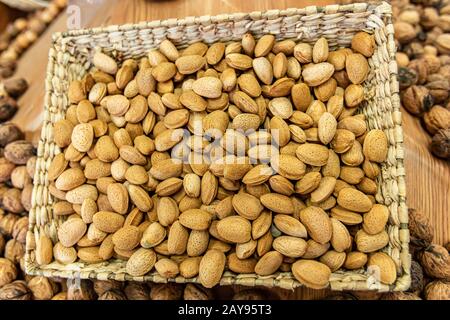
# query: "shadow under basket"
[[70, 59]]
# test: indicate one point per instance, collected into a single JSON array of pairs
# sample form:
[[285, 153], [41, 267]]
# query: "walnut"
[[447, 246], [404, 32], [2, 244], [137, 291], [15, 87], [6, 169], [399, 296], [31, 166], [250, 294], [14, 250], [25, 197], [195, 292], [18, 152], [435, 261], [429, 17], [113, 294], [166, 291], [41, 288], [20, 177], [420, 228], [12, 201], [101, 286], [436, 119], [367, 295], [60, 296], [417, 100], [340, 296], [440, 144], [16, 290], [413, 49], [20, 229], [439, 90], [7, 222], [8, 108], [437, 290], [8, 272], [9, 132], [78, 289], [432, 62], [421, 69], [406, 77], [442, 43], [417, 282]]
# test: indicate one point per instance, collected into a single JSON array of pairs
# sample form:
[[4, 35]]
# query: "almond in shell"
[[312, 274]]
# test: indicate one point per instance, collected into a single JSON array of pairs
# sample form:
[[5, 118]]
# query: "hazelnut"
[[437, 290], [440, 144], [417, 100]]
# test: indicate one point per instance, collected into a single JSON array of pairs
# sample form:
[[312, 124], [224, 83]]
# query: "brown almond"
[[354, 200], [317, 223], [141, 262], [234, 229], [269, 263], [311, 273], [211, 268]]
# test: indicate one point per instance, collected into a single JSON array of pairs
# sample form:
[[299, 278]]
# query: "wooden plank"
[[428, 187]]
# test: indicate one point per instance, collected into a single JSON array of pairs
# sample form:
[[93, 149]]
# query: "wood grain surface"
[[428, 178]]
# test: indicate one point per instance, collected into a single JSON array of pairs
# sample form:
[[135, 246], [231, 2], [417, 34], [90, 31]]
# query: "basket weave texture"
[[26, 5], [70, 59]]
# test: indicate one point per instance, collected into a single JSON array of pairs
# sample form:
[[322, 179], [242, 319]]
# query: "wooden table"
[[428, 184]]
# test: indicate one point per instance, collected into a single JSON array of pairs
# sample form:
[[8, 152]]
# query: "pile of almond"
[[247, 157]]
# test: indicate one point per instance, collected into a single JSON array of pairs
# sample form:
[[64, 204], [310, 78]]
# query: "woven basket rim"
[[383, 8], [60, 39], [27, 5]]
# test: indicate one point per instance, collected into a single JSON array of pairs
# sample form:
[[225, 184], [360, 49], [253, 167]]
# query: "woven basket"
[[69, 59], [26, 5]]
